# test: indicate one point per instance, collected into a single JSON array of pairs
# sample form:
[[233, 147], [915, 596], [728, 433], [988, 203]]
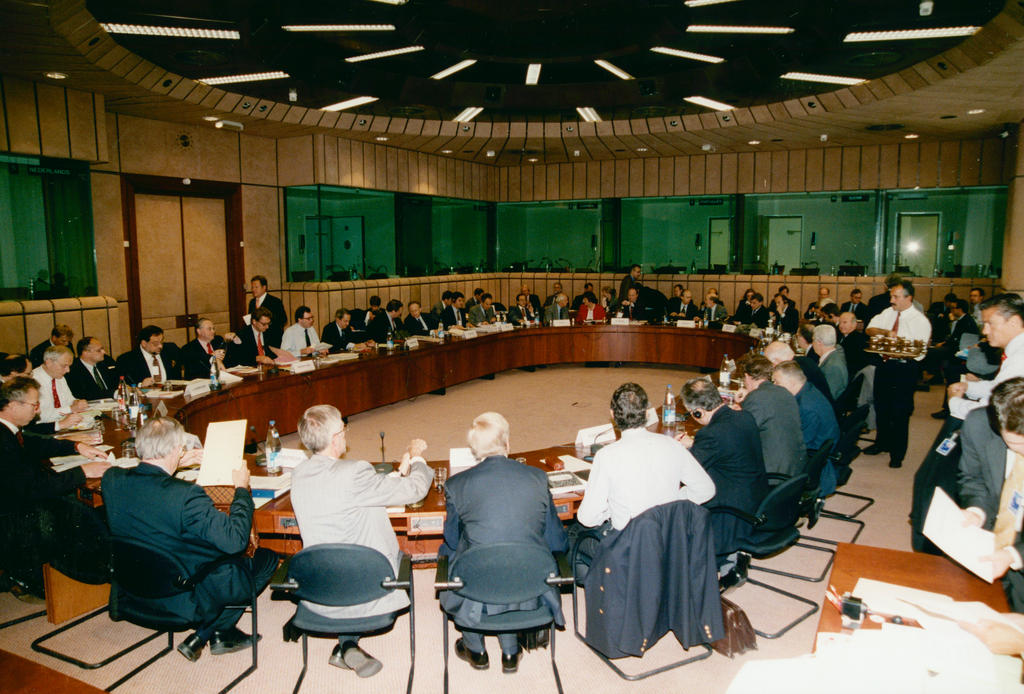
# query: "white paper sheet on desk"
[[227, 378], [341, 356], [290, 457], [944, 526], [222, 452], [889, 598], [245, 369], [603, 433], [163, 394], [283, 357], [574, 464], [460, 459], [283, 481], [66, 462], [104, 405]]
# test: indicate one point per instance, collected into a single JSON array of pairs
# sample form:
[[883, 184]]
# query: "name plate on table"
[[686, 324], [561, 323], [299, 367], [754, 332], [411, 343], [468, 334], [728, 328], [197, 387], [507, 327], [620, 321]]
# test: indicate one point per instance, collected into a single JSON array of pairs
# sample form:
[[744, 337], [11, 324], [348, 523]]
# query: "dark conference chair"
[[142, 579], [846, 452], [337, 574], [503, 574]]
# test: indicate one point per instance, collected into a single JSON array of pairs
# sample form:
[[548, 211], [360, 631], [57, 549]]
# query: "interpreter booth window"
[[949, 232], [337, 234], [458, 236], [679, 234], [46, 231], [550, 236]]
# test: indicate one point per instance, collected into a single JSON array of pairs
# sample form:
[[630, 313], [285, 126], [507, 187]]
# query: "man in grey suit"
[[831, 359], [558, 310], [483, 312], [346, 501], [777, 415]]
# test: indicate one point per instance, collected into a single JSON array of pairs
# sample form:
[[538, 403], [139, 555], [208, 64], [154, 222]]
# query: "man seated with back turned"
[[777, 415], [346, 501], [342, 337], [300, 338], [831, 359], [93, 376], [818, 424], [778, 352], [196, 354], [251, 345], [56, 402], [640, 470], [149, 504], [498, 500], [147, 365], [418, 322], [61, 335]]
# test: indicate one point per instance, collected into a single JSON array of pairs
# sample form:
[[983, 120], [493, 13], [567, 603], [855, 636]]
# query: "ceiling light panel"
[[689, 55], [448, 71], [909, 34], [350, 103], [615, 70], [468, 114], [729, 29], [251, 77], [588, 114], [533, 73], [338, 27], [383, 54], [825, 79], [709, 103], [702, 3], [175, 32]]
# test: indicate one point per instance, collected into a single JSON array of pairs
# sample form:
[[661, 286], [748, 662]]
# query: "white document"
[[755, 332], [412, 343], [282, 357], [652, 417], [728, 328], [469, 334], [227, 378], [620, 321], [604, 433], [686, 324], [277, 483], [198, 387], [160, 409], [322, 347], [290, 457], [298, 367], [222, 452], [561, 323], [944, 526], [460, 459], [341, 356], [247, 319], [104, 405], [574, 464]]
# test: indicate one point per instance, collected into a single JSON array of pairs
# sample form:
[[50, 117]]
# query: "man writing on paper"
[[56, 403], [148, 503], [346, 501]]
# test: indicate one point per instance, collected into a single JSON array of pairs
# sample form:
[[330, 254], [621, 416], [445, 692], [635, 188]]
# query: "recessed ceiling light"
[[588, 114], [533, 73], [975, 111], [754, 142], [381, 138], [641, 149], [338, 27], [708, 147], [446, 151], [617, 71], [453, 69], [177, 32], [211, 118], [383, 54], [532, 160], [709, 103], [575, 153], [911, 136], [909, 34], [251, 77], [665, 50], [350, 103], [229, 124], [730, 29], [56, 75], [702, 3], [468, 114], [826, 79], [490, 152]]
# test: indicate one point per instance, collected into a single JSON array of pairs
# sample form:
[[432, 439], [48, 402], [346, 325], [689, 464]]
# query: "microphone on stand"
[[382, 448], [382, 467]]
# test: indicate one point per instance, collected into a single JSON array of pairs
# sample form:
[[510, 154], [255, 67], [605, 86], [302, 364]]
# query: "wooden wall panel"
[[909, 165], [565, 183], [992, 167], [539, 182], [850, 179], [888, 166], [594, 178], [832, 168], [869, 167], [697, 176], [666, 175], [797, 170], [526, 184], [780, 172], [607, 179], [579, 179], [515, 185], [636, 178], [814, 173], [713, 174], [681, 177], [22, 121], [651, 180], [928, 168], [970, 162], [622, 178], [82, 126], [729, 166]]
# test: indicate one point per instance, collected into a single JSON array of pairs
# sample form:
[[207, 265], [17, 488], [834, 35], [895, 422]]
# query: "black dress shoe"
[[895, 463], [192, 647], [510, 663], [478, 661], [230, 641], [941, 414], [873, 449]]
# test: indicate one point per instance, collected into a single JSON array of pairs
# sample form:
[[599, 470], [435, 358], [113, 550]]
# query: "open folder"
[[222, 452]]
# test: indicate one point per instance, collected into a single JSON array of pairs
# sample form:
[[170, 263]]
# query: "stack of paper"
[[944, 525]]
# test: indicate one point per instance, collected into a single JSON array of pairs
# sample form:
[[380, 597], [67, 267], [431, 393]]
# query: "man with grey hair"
[[56, 402], [557, 309], [346, 501], [149, 504], [777, 417], [498, 500], [831, 359], [778, 352], [818, 422]]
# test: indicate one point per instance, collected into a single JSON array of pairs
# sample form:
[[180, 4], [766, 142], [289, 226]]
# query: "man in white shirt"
[[896, 379], [300, 338], [1003, 325], [640, 470], [56, 402]]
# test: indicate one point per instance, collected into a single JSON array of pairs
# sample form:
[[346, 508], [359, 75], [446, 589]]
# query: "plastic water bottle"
[[133, 406], [668, 410], [440, 332], [725, 373], [391, 340], [214, 373], [273, 447]]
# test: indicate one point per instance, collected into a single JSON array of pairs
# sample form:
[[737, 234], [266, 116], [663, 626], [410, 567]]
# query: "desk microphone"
[[382, 459]]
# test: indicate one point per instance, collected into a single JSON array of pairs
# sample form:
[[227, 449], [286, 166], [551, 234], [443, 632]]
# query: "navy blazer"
[[448, 316], [278, 317], [195, 361], [26, 480], [83, 384], [245, 351], [859, 310], [338, 338], [414, 327]]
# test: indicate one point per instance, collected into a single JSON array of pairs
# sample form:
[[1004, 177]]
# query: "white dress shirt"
[[914, 325], [294, 339], [47, 411], [639, 471], [978, 392], [155, 370]]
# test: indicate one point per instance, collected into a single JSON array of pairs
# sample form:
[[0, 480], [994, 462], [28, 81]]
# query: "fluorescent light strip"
[[826, 79], [709, 103], [675, 52], [702, 3], [448, 71], [533, 73], [383, 54], [617, 71], [350, 103], [338, 27], [468, 114], [908, 34], [726, 29], [588, 114], [392, 2], [175, 32], [251, 77]]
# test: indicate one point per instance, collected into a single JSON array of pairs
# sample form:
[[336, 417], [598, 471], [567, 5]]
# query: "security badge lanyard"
[[1017, 507]]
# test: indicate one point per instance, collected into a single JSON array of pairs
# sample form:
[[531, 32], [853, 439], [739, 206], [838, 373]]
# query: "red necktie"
[[1003, 358], [209, 348], [259, 345], [21, 438], [56, 398], [896, 325]]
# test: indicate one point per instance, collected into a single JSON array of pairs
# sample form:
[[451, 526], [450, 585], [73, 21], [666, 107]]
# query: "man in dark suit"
[[498, 500], [777, 416], [853, 342], [251, 345], [418, 322], [632, 279], [714, 311], [523, 312], [681, 306], [147, 503], [31, 486], [361, 318], [455, 314], [632, 306], [759, 314], [60, 335], [818, 423], [386, 321], [778, 352], [532, 298], [260, 299], [340, 334], [856, 306], [93, 376], [196, 355], [146, 364], [729, 448]]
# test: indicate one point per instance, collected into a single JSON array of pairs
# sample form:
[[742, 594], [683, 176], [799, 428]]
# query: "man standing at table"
[[250, 346], [196, 355], [880, 302], [93, 376], [300, 337], [56, 402], [498, 500], [417, 322], [532, 298], [260, 299], [631, 280], [60, 336], [149, 504], [146, 365], [346, 501]]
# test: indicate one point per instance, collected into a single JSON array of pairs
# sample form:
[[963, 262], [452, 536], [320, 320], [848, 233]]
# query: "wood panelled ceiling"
[[930, 99]]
